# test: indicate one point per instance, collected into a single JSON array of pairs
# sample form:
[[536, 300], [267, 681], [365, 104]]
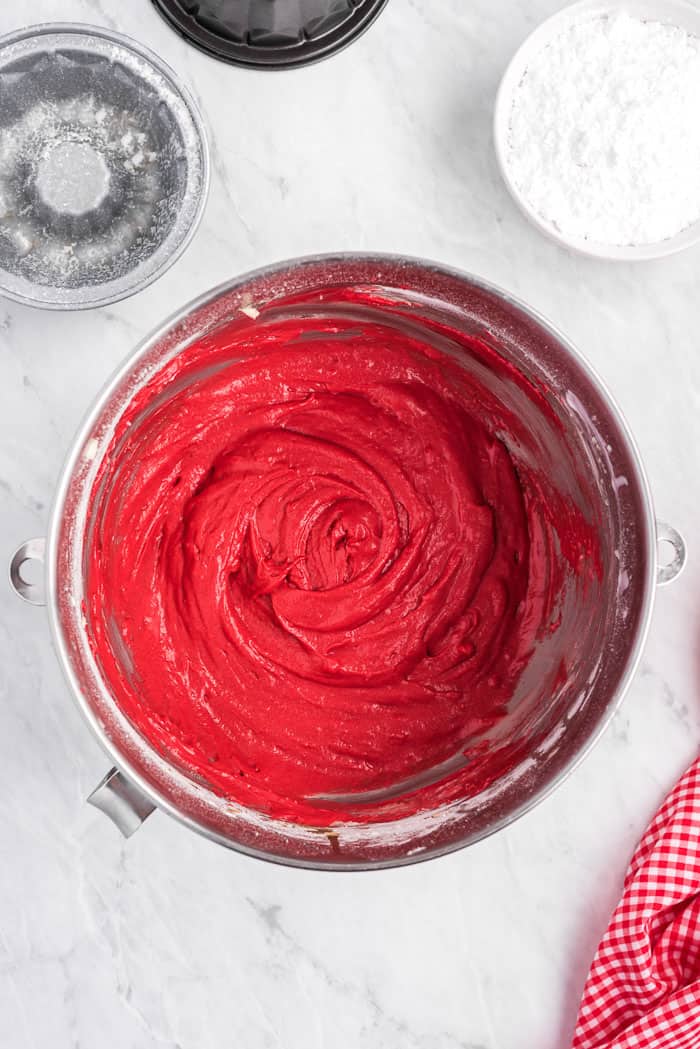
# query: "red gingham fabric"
[[643, 991]]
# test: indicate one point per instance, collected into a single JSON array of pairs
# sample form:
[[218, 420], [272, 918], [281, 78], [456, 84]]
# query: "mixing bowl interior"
[[590, 536]]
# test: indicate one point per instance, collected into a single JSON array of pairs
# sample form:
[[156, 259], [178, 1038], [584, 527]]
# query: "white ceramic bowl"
[[675, 12]]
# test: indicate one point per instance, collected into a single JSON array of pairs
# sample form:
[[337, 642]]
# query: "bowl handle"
[[116, 796], [668, 536], [124, 803], [31, 550]]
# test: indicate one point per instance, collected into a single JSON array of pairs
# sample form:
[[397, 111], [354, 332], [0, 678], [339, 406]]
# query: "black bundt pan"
[[270, 34]]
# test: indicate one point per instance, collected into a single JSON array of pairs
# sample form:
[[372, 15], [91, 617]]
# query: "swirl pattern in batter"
[[318, 571]]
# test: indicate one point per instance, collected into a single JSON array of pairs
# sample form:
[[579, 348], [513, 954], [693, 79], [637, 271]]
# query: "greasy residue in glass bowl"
[[93, 165]]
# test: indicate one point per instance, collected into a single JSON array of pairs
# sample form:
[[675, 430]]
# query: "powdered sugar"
[[604, 136]]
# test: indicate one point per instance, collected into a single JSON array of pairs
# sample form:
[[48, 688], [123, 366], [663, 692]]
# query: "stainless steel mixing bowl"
[[569, 714]]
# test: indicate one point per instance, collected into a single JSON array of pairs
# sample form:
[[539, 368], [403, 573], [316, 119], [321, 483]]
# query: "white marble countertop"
[[168, 940]]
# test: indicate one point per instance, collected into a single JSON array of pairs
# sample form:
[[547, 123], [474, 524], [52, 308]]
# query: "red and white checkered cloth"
[[643, 991]]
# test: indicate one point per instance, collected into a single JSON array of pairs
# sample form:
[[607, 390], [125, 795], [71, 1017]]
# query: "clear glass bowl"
[[104, 167]]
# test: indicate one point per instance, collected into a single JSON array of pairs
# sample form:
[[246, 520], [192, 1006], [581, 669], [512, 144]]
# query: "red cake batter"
[[320, 568]]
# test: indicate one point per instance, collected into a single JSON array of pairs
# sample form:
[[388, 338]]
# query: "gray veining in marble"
[[169, 942]]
